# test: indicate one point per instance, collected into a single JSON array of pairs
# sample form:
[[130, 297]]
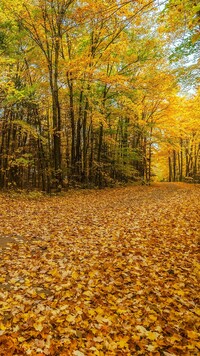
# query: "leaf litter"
[[111, 272]]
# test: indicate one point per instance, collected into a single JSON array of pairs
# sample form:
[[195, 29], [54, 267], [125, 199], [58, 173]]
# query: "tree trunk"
[[174, 166], [170, 168]]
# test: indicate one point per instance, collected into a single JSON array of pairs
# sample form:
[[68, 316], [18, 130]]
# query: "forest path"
[[107, 272]]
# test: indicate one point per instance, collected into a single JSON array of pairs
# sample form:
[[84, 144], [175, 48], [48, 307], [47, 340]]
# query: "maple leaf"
[[78, 353], [123, 341], [193, 335], [152, 335]]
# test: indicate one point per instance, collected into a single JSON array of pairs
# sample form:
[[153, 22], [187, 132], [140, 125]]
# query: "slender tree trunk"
[[56, 118], [170, 168], [78, 137], [174, 166], [73, 127], [91, 177], [99, 155], [181, 160], [85, 142]]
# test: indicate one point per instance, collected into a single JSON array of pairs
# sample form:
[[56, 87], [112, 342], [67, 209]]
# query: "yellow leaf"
[[141, 329], [152, 335], [136, 337], [91, 312], [192, 334], [98, 339], [21, 339], [2, 326], [123, 342], [176, 285], [71, 318], [152, 317], [27, 282], [99, 310], [197, 311], [88, 293], [92, 274], [174, 338], [68, 294], [78, 353], [75, 275], [196, 264], [151, 348], [180, 292], [99, 318], [121, 311], [38, 327], [54, 272], [158, 328]]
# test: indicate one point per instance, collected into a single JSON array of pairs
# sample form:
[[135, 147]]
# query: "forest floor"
[[107, 272]]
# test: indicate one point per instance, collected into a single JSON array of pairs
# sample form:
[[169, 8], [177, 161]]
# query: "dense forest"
[[98, 92]]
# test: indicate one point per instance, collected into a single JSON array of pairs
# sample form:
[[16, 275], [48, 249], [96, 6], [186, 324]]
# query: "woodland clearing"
[[105, 272]]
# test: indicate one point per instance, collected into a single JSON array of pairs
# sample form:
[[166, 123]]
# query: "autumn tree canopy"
[[91, 93]]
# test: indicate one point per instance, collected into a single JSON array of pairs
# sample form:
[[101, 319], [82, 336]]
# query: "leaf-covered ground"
[[112, 272]]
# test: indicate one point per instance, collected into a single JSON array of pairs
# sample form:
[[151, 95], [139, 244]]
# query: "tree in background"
[[180, 142]]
